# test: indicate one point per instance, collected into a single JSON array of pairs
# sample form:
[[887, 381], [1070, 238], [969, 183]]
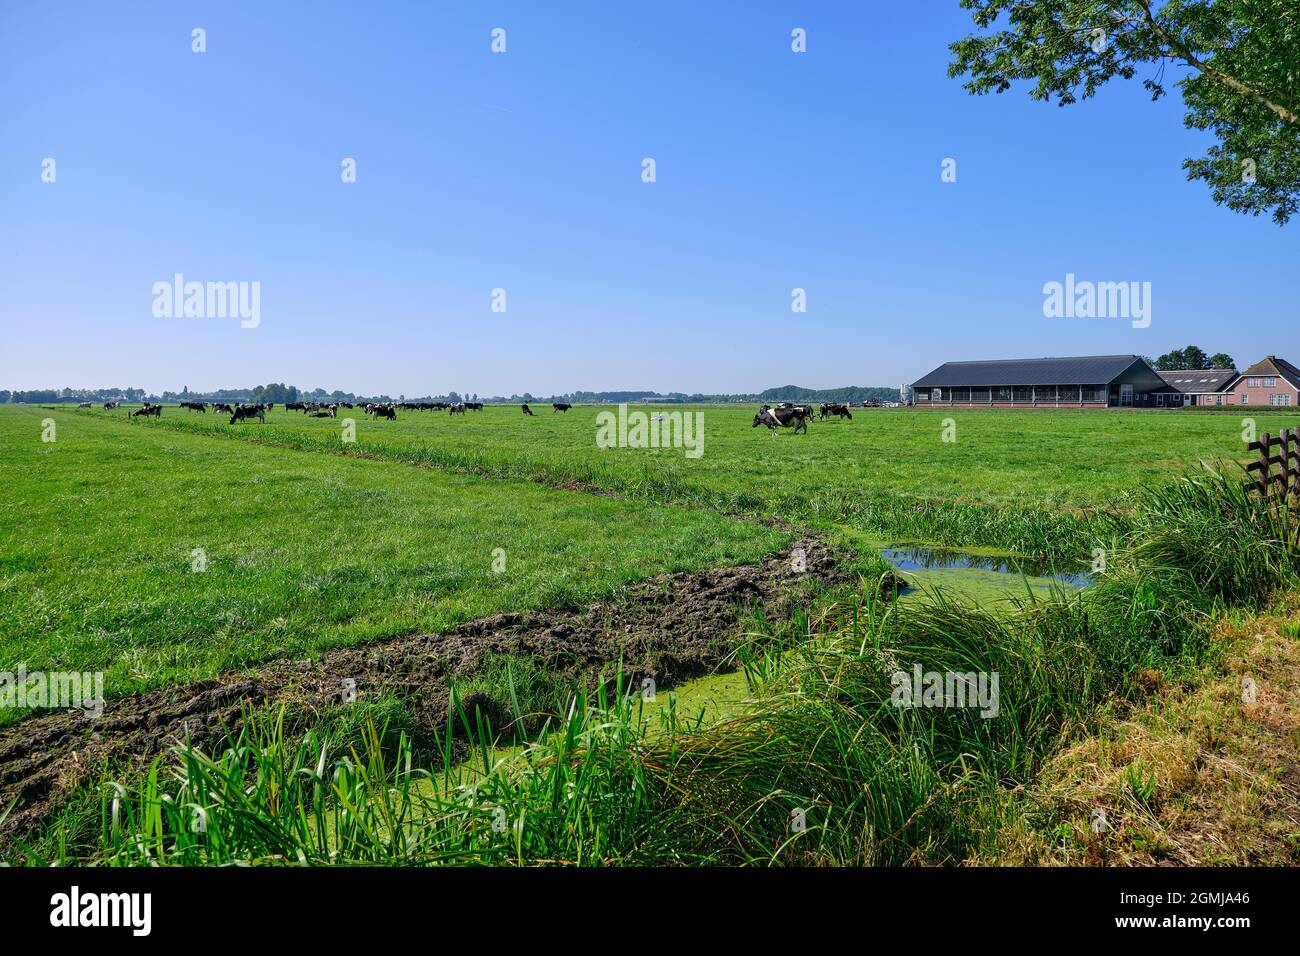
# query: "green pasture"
[[1019, 481], [299, 551]]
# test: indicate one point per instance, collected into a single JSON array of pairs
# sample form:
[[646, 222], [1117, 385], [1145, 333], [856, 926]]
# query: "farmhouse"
[[1089, 381], [1270, 381]]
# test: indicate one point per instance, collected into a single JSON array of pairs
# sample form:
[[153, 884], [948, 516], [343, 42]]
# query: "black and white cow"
[[248, 411], [795, 416]]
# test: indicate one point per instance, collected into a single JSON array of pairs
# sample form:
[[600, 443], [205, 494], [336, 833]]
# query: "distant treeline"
[[280, 393], [852, 393]]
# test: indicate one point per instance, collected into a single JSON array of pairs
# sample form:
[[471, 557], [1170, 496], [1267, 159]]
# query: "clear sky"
[[523, 171]]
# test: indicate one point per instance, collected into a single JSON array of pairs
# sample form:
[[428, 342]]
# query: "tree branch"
[[1231, 82]]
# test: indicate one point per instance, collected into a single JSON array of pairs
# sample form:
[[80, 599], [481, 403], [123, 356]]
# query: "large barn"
[[1087, 381]]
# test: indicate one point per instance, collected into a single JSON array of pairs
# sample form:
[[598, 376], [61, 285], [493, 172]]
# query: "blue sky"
[[522, 171]]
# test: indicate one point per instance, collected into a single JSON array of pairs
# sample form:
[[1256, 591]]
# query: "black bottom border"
[[303, 905]]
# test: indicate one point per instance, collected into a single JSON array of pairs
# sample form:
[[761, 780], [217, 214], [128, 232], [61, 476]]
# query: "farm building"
[[1088, 381], [1194, 387], [1270, 381]]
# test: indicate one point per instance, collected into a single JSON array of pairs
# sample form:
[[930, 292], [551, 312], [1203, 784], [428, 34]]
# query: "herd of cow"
[[784, 415], [787, 415], [387, 410]]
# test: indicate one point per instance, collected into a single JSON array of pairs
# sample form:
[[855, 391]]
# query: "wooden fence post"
[[1264, 444], [1286, 466]]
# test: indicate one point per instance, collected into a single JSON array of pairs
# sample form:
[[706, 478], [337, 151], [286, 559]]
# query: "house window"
[[1125, 396], [1270, 382], [1252, 383], [1279, 398], [1245, 398]]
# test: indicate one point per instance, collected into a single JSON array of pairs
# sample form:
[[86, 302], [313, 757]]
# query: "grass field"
[[304, 550], [313, 543], [1049, 458], [1020, 481]]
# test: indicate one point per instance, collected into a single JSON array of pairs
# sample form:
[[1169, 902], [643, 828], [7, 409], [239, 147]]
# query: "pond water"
[[1016, 570]]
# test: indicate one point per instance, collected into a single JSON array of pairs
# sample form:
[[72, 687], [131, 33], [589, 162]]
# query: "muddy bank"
[[671, 628]]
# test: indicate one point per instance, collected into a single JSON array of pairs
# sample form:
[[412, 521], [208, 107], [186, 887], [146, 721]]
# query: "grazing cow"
[[84, 404], [474, 406], [835, 408], [774, 418], [109, 405], [195, 407], [248, 411], [525, 409], [383, 411], [457, 409], [146, 409], [561, 406], [222, 407]]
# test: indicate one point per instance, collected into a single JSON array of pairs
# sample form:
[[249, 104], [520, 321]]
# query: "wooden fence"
[[1278, 474]]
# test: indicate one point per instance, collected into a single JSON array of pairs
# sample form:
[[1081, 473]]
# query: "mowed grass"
[[1016, 480], [304, 550]]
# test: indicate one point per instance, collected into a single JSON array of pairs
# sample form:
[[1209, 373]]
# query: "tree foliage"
[[1239, 74], [1193, 358]]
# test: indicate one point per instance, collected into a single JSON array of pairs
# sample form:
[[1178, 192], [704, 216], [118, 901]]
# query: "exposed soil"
[[670, 628]]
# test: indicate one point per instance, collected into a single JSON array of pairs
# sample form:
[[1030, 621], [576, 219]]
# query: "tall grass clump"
[[1210, 531]]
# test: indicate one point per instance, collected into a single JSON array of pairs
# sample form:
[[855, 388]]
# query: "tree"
[[1239, 59], [1172, 361], [1195, 358]]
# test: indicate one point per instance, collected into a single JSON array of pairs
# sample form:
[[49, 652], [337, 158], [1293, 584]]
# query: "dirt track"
[[671, 628]]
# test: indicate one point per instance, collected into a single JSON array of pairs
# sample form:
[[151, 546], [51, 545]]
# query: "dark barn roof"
[[1081, 370], [1196, 381]]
